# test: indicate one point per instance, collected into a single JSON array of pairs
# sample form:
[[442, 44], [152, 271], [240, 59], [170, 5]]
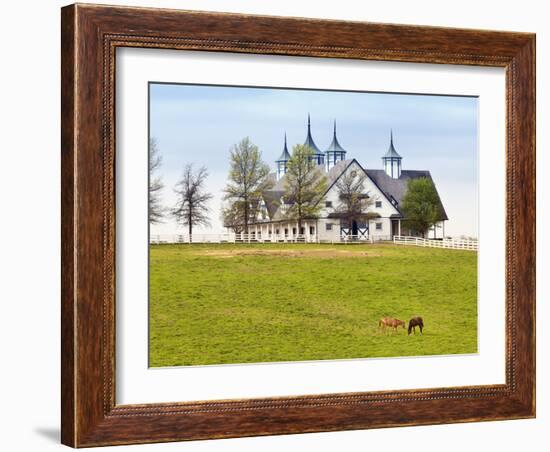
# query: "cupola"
[[392, 161], [335, 151], [282, 161], [318, 157]]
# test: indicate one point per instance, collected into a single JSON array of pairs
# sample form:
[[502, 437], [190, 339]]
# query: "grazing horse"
[[415, 322], [386, 322]]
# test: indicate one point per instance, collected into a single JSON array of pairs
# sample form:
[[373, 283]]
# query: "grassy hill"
[[227, 303]]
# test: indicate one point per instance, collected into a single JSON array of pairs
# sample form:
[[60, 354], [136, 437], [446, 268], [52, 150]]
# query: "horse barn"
[[386, 187]]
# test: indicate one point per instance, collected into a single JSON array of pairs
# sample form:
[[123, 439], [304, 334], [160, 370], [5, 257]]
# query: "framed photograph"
[[282, 225]]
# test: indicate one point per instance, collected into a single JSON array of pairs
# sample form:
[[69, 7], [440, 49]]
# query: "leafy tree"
[[232, 216], [420, 205], [156, 211], [191, 206], [305, 186], [248, 177], [354, 202]]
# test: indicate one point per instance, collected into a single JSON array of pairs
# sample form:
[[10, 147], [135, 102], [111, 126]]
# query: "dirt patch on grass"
[[316, 253]]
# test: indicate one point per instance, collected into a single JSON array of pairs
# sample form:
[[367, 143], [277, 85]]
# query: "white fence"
[[256, 238], [455, 244], [231, 238]]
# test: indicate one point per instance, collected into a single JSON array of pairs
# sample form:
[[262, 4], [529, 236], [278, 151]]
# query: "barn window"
[[378, 204], [379, 226]]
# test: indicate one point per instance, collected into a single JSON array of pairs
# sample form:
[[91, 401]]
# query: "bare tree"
[[156, 211], [355, 202], [305, 186], [248, 177], [191, 206]]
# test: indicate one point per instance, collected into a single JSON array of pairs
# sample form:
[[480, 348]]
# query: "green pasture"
[[241, 303]]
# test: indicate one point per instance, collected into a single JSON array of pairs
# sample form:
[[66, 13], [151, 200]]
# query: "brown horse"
[[415, 322], [386, 322]]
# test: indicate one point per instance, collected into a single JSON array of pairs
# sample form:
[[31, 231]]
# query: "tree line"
[[305, 189]]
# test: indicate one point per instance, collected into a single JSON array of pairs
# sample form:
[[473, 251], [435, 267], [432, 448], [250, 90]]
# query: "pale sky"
[[199, 124]]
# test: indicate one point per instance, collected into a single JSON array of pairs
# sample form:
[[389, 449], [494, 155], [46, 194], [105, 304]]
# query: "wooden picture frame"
[[90, 36]]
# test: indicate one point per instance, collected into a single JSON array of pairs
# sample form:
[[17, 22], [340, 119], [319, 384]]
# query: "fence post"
[[458, 244]]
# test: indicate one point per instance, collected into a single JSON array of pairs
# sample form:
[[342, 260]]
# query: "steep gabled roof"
[[396, 188], [340, 168], [392, 189], [336, 171], [273, 196]]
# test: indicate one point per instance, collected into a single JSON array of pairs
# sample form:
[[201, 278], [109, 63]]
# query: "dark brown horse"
[[415, 322], [390, 322]]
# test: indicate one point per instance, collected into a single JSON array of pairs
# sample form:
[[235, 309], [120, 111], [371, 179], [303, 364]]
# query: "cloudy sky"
[[199, 124]]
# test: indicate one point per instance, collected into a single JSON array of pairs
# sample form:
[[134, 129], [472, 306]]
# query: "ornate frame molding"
[[90, 37]]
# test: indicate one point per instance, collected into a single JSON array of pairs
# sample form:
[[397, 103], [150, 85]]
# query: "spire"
[[309, 140], [335, 146], [282, 161], [391, 153], [392, 160], [285, 155], [335, 152]]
